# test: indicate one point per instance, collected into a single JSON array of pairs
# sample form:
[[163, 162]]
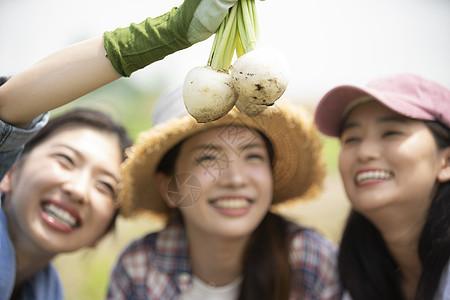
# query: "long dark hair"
[[4, 79], [80, 117], [266, 268], [266, 271], [367, 268]]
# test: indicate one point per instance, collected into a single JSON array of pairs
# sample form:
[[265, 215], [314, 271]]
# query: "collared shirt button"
[[185, 277]]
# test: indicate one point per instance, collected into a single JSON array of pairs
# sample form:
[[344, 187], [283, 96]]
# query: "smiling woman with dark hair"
[[215, 183], [395, 165], [58, 197]]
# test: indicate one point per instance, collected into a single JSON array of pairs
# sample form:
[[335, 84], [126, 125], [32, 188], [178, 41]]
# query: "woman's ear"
[[5, 183], [162, 181], [444, 173]]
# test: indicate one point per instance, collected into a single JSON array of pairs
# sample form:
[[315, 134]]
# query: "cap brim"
[[330, 110]]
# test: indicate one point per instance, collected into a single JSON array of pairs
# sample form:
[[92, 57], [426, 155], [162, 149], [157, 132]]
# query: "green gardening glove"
[[132, 48]]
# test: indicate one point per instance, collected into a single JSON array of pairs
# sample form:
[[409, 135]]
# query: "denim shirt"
[[44, 285], [7, 260], [12, 140]]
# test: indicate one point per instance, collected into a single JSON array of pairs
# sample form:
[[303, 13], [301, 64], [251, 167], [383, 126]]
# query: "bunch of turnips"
[[257, 78]]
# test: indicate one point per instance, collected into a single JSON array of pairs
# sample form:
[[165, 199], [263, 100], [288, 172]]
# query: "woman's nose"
[[368, 150], [77, 188], [233, 175]]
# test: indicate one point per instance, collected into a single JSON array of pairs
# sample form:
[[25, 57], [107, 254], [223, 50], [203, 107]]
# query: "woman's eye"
[[391, 133], [256, 156], [205, 159], [209, 155], [349, 140], [108, 188], [65, 159]]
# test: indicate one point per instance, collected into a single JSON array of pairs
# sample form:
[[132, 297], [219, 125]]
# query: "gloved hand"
[[134, 47]]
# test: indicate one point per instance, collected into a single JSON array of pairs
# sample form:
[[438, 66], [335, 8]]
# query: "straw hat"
[[298, 168]]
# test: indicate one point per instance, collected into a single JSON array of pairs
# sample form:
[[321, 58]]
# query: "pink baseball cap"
[[407, 94]]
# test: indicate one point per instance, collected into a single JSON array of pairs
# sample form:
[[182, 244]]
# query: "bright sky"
[[326, 42]]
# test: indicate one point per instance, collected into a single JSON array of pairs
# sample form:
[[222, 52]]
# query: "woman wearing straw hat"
[[215, 184], [395, 165]]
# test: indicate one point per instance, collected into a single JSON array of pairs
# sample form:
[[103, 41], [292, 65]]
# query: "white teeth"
[[60, 214], [372, 175], [234, 203]]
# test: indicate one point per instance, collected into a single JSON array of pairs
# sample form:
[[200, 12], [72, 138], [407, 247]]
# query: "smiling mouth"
[[232, 203], [60, 215], [365, 177]]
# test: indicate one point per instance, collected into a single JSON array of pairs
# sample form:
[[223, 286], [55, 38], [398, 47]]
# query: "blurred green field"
[[85, 273]]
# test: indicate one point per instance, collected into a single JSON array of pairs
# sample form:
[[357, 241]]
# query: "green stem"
[[238, 32], [255, 20], [217, 38], [223, 45]]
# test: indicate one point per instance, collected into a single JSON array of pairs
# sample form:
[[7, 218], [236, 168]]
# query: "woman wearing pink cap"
[[395, 166]]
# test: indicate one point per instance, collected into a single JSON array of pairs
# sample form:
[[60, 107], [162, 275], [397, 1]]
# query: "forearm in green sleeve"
[[134, 47]]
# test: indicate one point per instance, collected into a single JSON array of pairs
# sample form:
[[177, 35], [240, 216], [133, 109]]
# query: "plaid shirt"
[[157, 266]]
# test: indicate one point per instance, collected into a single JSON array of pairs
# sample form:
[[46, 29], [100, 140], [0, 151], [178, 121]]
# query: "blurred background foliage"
[[85, 273]]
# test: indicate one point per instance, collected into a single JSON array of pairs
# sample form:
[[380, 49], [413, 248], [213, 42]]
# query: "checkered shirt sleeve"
[[314, 264]]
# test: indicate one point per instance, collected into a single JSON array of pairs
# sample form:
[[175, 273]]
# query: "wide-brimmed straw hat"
[[298, 168], [407, 94]]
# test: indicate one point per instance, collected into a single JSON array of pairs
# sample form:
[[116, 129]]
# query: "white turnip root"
[[208, 91], [208, 94], [249, 108], [260, 76]]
